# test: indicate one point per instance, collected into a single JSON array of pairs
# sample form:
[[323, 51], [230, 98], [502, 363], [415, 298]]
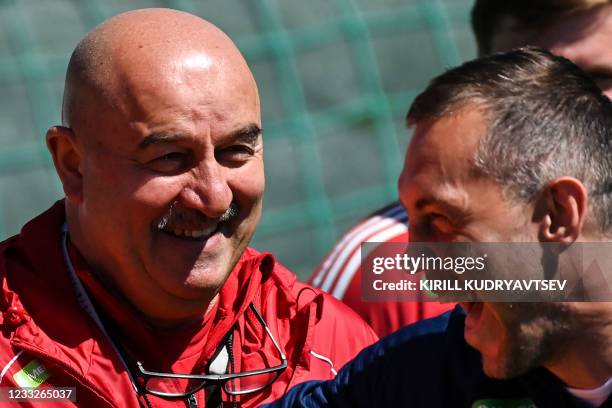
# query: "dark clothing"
[[429, 364]]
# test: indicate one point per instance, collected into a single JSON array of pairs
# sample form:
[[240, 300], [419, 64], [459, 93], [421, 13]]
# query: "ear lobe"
[[63, 147], [565, 206]]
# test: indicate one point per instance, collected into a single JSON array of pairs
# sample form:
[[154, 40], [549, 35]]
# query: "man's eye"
[[439, 223], [174, 156], [240, 149], [235, 153], [169, 162]]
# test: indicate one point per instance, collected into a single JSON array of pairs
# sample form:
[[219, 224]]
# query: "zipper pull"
[[191, 401]]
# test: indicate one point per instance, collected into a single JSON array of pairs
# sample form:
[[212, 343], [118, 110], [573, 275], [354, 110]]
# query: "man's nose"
[[209, 191]]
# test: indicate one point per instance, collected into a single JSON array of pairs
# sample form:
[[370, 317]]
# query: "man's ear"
[[563, 205], [64, 149]]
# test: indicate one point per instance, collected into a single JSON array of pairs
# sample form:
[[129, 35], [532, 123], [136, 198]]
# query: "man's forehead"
[[155, 55], [198, 70], [440, 157], [194, 95], [451, 140]]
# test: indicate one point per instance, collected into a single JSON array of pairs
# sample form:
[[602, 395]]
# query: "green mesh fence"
[[336, 78]]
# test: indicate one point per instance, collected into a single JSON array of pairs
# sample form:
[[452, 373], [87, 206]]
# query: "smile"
[[192, 233]]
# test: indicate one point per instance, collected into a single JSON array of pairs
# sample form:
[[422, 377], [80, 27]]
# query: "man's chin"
[[187, 280], [199, 283], [497, 368], [494, 365], [510, 362]]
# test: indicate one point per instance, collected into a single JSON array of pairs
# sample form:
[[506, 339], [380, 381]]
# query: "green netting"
[[335, 77]]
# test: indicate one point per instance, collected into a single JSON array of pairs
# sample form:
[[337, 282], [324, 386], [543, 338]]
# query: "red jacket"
[[48, 338]]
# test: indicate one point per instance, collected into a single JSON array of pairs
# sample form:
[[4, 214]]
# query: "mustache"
[[190, 217]]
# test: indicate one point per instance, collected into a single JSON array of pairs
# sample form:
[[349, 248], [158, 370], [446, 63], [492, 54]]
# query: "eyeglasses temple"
[[267, 329]]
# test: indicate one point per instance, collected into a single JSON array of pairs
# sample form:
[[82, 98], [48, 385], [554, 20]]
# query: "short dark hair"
[[491, 16], [546, 119]]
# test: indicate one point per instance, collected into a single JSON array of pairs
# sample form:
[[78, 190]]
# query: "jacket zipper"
[[192, 401], [230, 346]]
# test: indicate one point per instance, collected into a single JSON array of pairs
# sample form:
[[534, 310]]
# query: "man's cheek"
[[247, 184], [494, 333], [153, 190]]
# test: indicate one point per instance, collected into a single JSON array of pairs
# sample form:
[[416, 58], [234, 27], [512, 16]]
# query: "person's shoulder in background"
[[329, 332], [340, 272]]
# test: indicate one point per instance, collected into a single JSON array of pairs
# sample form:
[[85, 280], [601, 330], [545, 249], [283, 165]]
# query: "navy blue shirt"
[[428, 364]]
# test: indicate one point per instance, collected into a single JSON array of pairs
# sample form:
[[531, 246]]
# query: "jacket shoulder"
[[329, 320], [335, 312], [388, 224], [332, 314], [406, 368]]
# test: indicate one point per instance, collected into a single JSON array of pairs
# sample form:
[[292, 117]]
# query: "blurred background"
[[336, 78]]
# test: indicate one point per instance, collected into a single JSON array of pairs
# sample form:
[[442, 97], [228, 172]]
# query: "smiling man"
[[580, 30], [138, 289], [515, 147]]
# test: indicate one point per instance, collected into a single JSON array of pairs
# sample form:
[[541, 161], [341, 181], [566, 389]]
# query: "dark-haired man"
[[138, 289], [580, 30], [514, 147]]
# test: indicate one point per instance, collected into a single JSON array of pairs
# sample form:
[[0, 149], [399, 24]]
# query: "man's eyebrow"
[[451, 207], [157, 138], [248, 134], [422, 203]]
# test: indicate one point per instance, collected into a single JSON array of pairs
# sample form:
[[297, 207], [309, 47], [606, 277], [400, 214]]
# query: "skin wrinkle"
[[160, 71]]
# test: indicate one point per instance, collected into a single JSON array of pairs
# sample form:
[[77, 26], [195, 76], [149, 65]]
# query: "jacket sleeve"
[[310, 394], [403, 369], [356, 385]]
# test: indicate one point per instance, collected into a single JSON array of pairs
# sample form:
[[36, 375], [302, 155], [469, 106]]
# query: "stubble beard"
[[537, 333]]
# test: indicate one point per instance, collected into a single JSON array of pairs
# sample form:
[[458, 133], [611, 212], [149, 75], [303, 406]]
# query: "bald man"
[[138, 288]]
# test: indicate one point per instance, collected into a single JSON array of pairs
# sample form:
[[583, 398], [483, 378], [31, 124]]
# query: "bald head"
[[161, 159], [146, 45]]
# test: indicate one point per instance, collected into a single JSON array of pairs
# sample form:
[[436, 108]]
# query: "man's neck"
[[586, 363]]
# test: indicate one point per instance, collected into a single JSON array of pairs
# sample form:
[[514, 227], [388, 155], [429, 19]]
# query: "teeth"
[[208, 230], [194, 233]]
